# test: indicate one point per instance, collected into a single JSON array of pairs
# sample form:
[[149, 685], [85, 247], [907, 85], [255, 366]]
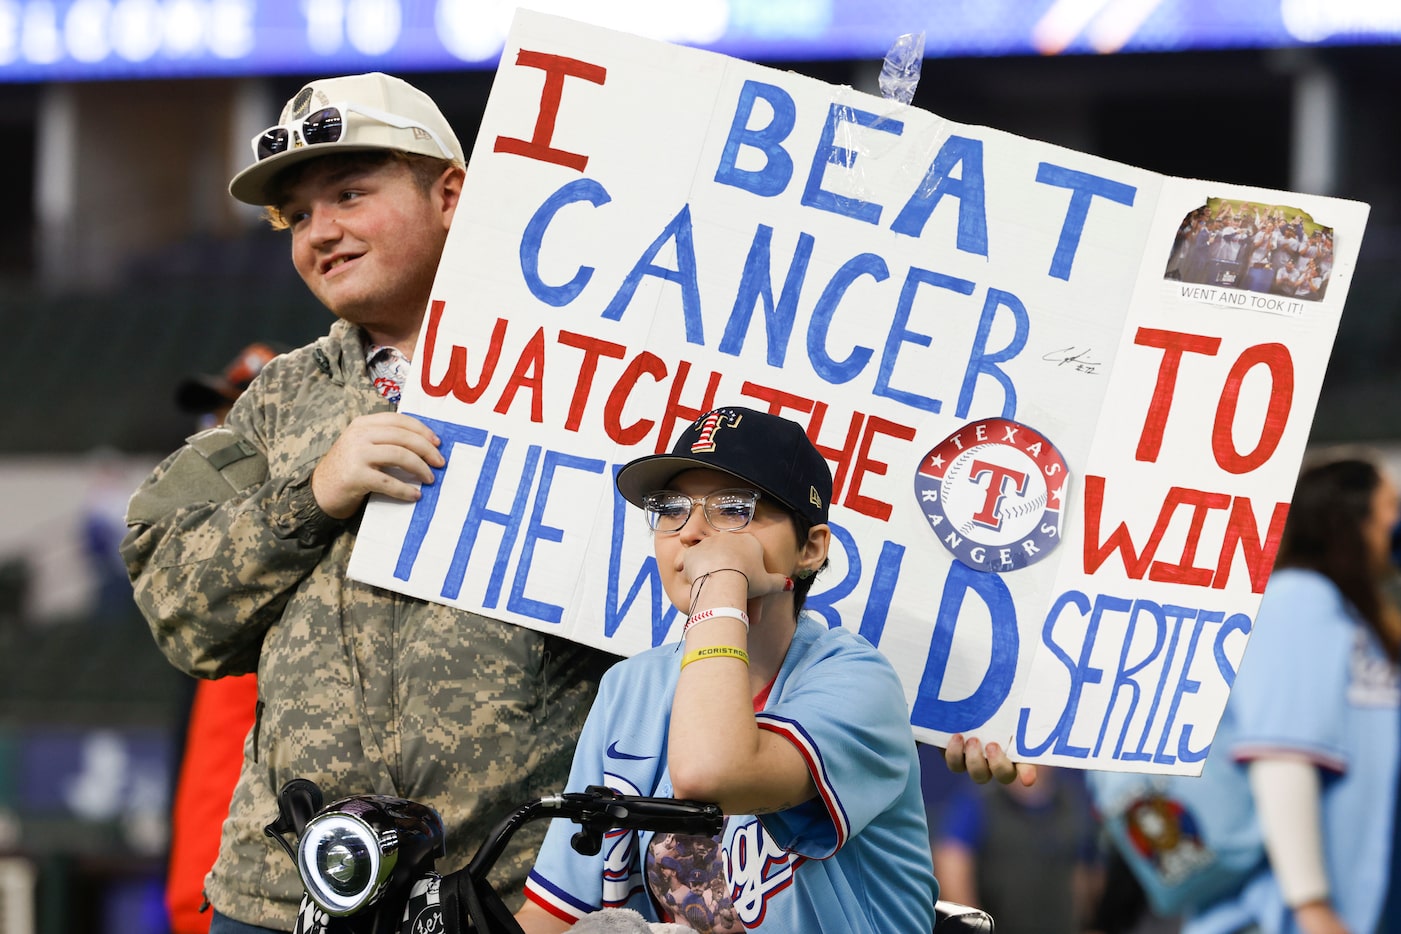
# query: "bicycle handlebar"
[[597, 810]]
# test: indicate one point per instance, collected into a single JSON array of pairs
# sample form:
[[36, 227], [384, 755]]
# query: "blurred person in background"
[[1026, 854], [240, 541], [222, 710], [1122, 906], [1314, 716], [1391, 912], [209, 396]]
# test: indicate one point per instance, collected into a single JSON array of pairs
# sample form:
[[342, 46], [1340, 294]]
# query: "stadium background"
[[124, 266]]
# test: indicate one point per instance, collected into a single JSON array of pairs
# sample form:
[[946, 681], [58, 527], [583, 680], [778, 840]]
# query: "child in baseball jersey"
[[798, 731]]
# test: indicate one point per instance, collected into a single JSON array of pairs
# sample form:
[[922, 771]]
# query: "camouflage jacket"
[[359, 689]]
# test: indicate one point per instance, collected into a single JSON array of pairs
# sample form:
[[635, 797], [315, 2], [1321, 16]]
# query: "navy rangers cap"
[[770, 452]]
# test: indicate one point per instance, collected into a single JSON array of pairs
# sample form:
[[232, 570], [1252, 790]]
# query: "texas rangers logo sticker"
[[993, 492]]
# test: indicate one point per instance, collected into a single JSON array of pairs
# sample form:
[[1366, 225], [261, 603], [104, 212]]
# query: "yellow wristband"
[[715, 651]]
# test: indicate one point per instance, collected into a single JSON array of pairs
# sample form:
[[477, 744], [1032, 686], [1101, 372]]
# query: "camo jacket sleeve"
[[226, 529]]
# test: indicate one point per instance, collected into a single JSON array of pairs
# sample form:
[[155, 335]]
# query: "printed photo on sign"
[[1266, 249]]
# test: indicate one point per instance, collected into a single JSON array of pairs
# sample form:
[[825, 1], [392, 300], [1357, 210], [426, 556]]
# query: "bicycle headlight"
[[357, 848]]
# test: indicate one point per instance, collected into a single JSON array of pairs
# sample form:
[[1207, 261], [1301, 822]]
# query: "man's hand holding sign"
[[1059, 472]]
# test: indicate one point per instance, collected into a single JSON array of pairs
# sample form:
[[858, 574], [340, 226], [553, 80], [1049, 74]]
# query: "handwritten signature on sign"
[[1070, 356]]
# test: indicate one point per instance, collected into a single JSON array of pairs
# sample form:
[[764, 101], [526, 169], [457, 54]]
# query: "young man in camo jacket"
[[239, 541]]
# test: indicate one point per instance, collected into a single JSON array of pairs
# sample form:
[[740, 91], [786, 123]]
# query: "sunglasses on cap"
[[328, 126]]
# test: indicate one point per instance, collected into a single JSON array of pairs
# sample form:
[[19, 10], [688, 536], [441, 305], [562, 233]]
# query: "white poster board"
[[1064, 424]]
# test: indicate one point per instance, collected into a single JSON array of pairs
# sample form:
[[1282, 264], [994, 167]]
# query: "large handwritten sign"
[[1064, 399]]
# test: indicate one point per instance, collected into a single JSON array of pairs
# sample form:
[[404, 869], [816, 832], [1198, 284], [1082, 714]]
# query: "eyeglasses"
[[725, 510], [328, 126]]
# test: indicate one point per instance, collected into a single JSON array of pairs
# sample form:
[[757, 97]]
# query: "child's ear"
[[813, 553]]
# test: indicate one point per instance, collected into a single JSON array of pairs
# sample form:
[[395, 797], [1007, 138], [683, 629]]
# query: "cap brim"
[[200, 395], [253, 184], [652, 473]]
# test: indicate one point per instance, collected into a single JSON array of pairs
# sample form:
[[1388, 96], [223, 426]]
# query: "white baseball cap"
[[348, 114]]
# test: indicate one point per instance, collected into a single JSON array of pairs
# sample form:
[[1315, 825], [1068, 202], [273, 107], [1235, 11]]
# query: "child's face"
[[768, 543]]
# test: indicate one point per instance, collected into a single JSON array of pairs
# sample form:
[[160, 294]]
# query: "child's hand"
[[733, 551], [968, 755]]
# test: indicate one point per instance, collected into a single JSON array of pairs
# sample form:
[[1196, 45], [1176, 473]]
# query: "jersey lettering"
[[621, 873], [757, 869]]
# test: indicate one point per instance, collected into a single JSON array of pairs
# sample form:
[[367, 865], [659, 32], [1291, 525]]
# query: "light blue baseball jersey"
[[1314, 682], [854, 859]]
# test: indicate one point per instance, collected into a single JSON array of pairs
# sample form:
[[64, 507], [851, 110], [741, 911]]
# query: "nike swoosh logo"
[[615, 753]]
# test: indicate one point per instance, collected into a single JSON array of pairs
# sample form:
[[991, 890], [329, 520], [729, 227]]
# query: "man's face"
[[366, 240]]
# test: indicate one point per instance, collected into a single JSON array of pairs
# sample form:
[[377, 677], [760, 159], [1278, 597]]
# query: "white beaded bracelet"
[[730, 612]]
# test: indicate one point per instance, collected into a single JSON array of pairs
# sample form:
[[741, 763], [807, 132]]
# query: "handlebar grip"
[[638, 812], [666, 816]]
